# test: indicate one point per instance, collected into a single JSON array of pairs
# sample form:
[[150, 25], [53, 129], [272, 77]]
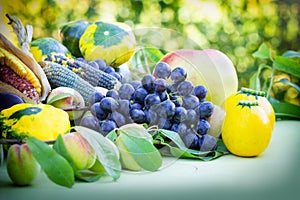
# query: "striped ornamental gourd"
[[92, 75], [60, 76]]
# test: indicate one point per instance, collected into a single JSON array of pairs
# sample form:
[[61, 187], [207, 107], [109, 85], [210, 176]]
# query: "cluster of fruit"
[[165, 99]]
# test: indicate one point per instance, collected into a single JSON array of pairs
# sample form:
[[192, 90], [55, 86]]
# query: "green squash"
[[42, 121], [112, 42], [42, 47], [70, 34]]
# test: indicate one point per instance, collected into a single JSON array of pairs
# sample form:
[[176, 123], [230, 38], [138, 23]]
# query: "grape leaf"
[[143, 151], [287, 65], [285, 110], [60, 148], [105, 152], [54, 165]]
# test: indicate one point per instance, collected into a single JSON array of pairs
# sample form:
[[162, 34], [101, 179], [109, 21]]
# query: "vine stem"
[[271, 83]]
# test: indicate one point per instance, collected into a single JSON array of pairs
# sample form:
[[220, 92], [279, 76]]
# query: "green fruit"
[[70, 34], [112, 42], [79, 150], [22, 167], [42, 47]]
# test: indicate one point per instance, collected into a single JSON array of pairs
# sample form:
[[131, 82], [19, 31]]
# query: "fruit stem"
[[248, 103], [249, 91]]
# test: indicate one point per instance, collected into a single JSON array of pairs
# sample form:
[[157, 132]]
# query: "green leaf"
[[263, 52], [58, 97], [143, 151], [153, 53], [104, 150], [60, 148], [287, 65], [286, 81], [291, 54], [286, 110], [174, 137], [54, 165]]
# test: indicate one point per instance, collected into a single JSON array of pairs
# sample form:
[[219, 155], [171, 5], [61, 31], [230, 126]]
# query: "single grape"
[[106, 126], [192, 117], [190, 102], [151, 99], [182, 130], [148, 83], [139, 95], [136, 106], [125, 91], [150, 117], [101, 64], [191, 140], [200, 91], [113, 94], [160, 85], [174, 127], [179, 115], [95, 97], [164, 123], [185, 88], [93, 64], [205, 109], [162, 70], [202, 127], [109, 69], [138, 116], [166, 109], [118, 118], [208, 143], [90, 122], [178, 74], [97, 111], [124, 106], [108, 104]]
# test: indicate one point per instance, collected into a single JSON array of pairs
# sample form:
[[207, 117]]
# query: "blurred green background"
[[235, 27]]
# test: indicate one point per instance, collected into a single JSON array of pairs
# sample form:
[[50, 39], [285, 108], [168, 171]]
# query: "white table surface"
[[275, 174]]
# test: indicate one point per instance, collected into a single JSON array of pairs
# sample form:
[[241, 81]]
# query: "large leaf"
[[54, 165], [105, 152], [143, 151], [60, 148], [263, 52], [285, 110], [287, 65]]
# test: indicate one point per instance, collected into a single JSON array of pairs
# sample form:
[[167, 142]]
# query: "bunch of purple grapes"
[[165, 99]]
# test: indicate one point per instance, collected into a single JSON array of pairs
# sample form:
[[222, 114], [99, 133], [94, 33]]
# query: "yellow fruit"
[[253, 95], [247, 129]]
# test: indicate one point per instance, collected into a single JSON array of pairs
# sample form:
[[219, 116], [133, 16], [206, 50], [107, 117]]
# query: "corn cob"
[[13, 62], [60, 76], [94, 76]]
